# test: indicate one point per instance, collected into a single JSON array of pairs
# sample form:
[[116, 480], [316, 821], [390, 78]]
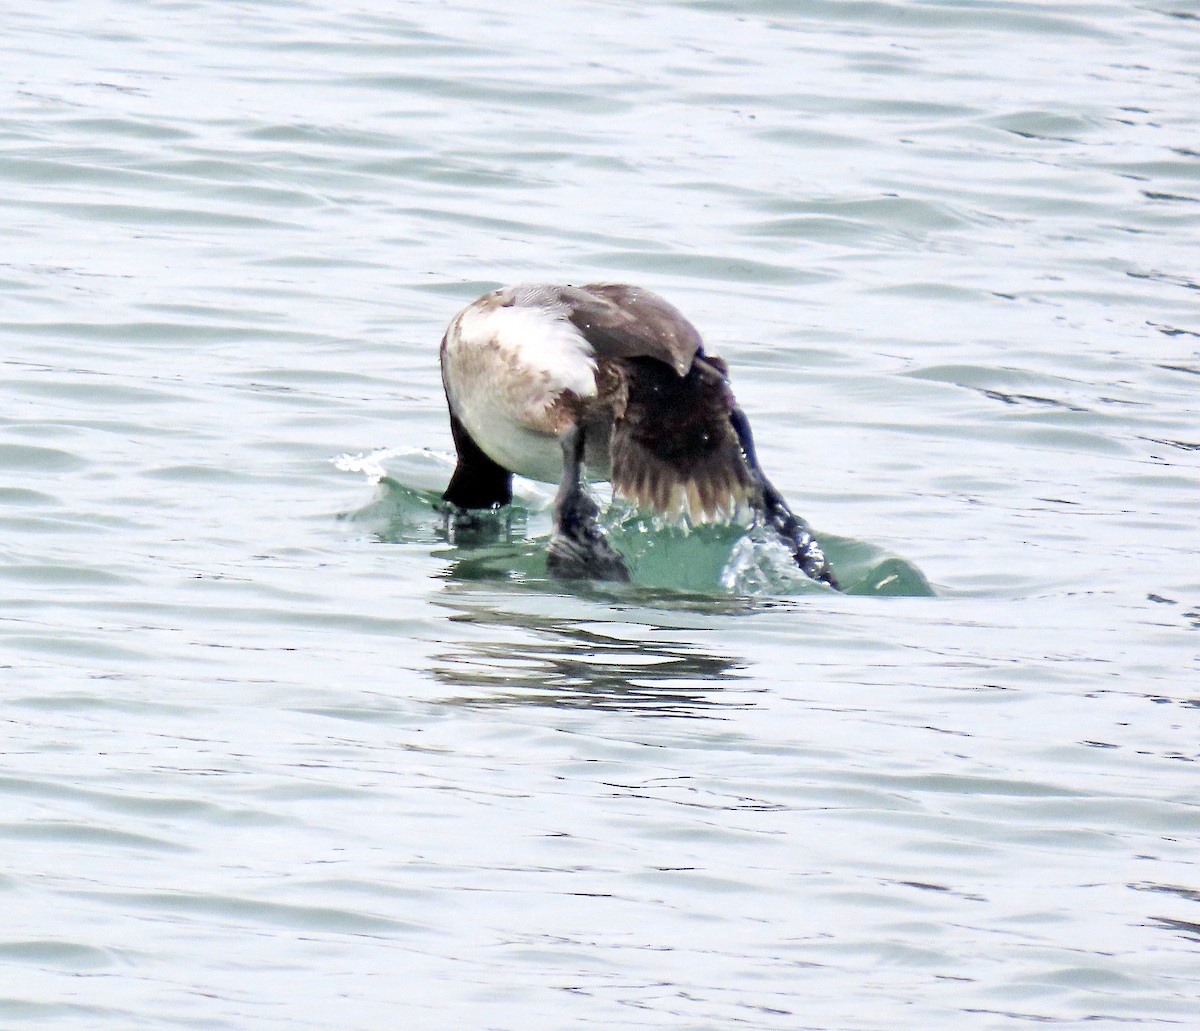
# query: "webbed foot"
[[774, 510], [578, 548], [475, 527]]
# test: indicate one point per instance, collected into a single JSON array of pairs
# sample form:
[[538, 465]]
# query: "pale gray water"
[[279, 755]]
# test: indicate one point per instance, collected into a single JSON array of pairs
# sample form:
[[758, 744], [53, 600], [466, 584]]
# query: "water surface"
[[281, 752]]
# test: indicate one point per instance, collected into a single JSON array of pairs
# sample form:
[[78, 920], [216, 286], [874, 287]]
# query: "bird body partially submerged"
[[605, 381]]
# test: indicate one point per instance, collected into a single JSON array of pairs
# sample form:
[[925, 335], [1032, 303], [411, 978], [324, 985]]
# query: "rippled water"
[[281, 751]]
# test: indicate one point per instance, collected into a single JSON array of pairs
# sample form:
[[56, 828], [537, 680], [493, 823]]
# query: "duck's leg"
[[478, 482], [578, 550], [794, 530]]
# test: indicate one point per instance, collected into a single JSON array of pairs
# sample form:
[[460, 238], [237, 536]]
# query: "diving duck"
[[606, 381]]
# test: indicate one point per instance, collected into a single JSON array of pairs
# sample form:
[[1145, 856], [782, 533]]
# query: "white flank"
[[505, 367], [537, 340]]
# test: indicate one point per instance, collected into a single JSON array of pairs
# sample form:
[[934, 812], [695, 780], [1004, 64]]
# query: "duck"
[[607, 381]]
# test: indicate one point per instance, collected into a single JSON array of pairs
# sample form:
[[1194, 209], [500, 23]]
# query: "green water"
[[707, 561]]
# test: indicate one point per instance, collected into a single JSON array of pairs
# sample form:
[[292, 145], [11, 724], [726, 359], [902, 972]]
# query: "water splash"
[[714, 560]]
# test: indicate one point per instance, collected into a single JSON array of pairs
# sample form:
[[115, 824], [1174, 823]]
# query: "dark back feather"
[[674, 450], [622, 321]]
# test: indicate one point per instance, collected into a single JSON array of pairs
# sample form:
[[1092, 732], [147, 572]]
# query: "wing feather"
[[622, 321]]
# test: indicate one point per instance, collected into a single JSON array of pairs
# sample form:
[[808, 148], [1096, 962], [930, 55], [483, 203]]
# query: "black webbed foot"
[[475, 527], [578, 549], [774, 511]]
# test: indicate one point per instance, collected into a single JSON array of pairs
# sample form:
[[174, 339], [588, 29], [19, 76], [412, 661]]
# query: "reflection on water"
[[575, 662]]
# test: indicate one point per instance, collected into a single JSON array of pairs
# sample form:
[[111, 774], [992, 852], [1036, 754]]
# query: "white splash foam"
[[374, 464], [760, 564]]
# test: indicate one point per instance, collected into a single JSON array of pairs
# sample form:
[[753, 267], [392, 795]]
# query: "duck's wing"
[[680, 446], [673, 449], [683, 449], [622, 321]]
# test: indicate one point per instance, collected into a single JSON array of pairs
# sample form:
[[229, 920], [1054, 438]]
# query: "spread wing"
[[674, 450]]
